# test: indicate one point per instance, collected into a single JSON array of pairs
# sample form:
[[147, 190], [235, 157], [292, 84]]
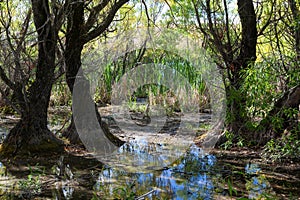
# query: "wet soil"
[[76, 174]]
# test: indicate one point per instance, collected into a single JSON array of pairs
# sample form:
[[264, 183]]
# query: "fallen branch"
[[144, 195]]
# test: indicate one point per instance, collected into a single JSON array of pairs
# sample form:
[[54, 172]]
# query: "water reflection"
[[67, 191], [196, 175], [187, 179], [143, 156], [257, 185], [252, 168]]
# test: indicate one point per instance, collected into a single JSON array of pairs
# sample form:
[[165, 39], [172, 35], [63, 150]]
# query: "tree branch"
[[268, 22], [105, 24], [6, 80], [93, 17], [249, 33]]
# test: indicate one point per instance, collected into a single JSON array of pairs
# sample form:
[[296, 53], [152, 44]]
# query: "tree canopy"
[[256, 46]]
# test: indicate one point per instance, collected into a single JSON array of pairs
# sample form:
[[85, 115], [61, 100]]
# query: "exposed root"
[[27, 140]]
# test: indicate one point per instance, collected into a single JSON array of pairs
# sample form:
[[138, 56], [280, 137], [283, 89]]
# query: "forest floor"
[[60, 116], [283, 177]]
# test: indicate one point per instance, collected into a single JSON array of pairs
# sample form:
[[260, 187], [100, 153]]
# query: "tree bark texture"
[[31, 133]]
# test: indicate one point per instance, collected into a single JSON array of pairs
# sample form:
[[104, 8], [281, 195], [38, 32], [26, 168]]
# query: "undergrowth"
[[281, 149]]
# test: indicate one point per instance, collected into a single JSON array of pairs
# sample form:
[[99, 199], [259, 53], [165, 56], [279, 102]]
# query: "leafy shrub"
[[287, 147]]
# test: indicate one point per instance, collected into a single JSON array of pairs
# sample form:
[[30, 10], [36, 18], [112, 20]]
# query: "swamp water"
[[134, 174], [195, 176]]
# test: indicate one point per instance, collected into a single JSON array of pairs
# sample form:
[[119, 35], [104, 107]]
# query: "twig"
[[63, 126], [6, 99], [144, 195]]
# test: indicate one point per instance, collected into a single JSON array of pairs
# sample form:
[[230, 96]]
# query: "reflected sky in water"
[[194, 176], [257, 185], [187, 179]]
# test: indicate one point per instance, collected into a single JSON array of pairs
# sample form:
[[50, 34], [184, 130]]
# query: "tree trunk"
[[84, 119], [236, 101], [236, 110], [31, 133], [74, 46], [73, 64], [267, 129], [296, 17]]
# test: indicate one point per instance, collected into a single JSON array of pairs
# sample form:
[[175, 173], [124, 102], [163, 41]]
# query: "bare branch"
[[24, 30], [6, 99], [60, 15], [93, 17], [147, 13], [172, 14], [268, 22], [198, 19], [6, 80], [296, 19], [228, 46], [105, 24]]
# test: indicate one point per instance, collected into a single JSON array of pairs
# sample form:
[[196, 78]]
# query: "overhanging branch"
[[105, 24]]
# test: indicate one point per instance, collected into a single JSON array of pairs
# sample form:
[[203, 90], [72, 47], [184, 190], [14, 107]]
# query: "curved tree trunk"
[[31, 133], [267, 129], [75, 41]]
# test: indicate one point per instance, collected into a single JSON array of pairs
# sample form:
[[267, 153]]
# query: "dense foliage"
[[256, 46]]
